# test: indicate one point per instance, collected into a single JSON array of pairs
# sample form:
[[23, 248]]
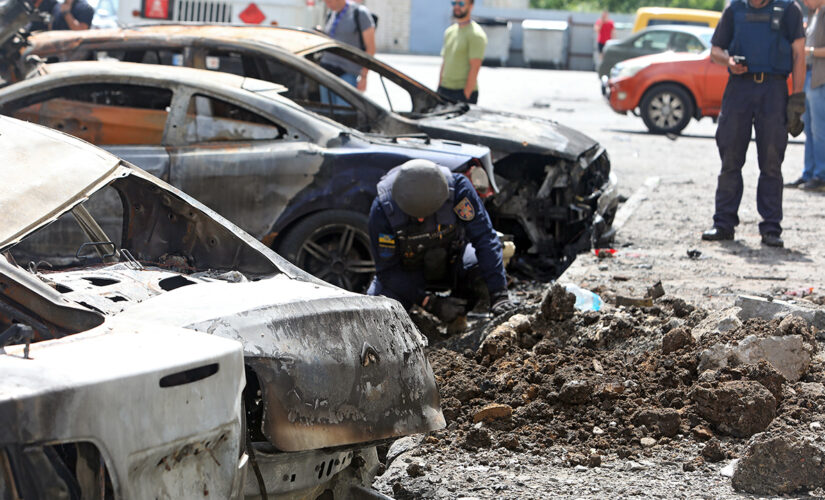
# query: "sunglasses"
[[460, 4]]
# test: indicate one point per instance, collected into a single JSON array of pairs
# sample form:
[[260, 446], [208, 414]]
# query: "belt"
[[761, 77]]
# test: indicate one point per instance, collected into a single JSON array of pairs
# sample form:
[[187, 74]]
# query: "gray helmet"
[[420, 188]]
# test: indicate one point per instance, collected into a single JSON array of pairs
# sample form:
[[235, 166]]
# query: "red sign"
[[252, 14], [156, 9]]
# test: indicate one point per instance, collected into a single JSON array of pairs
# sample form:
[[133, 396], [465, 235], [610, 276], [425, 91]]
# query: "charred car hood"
[[335, 368], [509, 133]]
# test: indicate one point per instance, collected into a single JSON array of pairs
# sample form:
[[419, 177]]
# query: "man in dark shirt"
[[761, 42], [72, 15]]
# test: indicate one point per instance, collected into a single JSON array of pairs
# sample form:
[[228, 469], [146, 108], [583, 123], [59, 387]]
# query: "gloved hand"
[[447, 309], [796, 107], [500, 303]]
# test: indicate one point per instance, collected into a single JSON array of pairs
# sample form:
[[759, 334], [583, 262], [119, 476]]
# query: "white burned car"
[[183, 358]]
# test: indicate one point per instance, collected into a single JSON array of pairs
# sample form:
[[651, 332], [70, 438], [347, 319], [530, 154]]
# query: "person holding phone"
[[462, 54], [72, 15], [761, 42]]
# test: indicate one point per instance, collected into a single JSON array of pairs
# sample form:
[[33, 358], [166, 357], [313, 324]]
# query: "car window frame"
[[667, 33], [181, 108], [54, 81]]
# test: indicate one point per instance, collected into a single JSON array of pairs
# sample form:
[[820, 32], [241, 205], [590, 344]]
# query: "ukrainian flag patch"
[[386, 245]]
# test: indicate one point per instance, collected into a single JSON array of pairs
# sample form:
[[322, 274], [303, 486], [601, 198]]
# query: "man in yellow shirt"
[[462, 53]]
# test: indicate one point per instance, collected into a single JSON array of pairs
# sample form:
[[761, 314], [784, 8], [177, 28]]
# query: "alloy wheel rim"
[[340, 255], [666, 110]]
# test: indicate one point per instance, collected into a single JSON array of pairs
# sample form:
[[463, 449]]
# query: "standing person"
[[813, 175], [462, 53], [428, 227], [351, 23], [760, 42], [44, 8], [72, 15], [604, 31]]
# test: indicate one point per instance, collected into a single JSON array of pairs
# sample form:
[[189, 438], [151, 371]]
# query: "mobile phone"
[[740, 60]]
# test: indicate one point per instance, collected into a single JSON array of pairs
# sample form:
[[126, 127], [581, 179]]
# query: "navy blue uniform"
[[758, 100], [80, 10], [461, 225]]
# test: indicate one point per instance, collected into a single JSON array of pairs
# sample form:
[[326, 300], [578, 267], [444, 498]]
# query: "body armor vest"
[[758, 35], [430, 246]]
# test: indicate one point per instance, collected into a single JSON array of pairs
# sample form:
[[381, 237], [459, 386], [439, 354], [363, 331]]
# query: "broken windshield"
[[391, 89]]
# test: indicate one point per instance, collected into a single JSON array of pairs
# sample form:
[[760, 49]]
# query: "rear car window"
[[101, 113]]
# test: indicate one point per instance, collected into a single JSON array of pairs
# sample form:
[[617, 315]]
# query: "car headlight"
[[480, 180], [626, 70]]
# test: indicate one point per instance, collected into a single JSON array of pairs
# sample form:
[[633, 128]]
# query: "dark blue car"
[[300, 182]]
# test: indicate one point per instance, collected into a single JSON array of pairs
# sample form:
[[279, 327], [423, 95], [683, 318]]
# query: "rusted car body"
[[168, 306], [557, 195], [301, 183]]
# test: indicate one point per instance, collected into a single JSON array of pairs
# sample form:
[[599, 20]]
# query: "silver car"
[[123, 376]]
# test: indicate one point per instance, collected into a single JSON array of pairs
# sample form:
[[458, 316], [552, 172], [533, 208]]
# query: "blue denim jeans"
[[337, 100], [814, 119]]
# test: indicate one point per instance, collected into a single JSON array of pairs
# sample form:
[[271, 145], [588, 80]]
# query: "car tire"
[[334, 246], [666, 109]]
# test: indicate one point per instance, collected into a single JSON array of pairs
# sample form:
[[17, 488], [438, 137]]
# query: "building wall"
[[393, 33]]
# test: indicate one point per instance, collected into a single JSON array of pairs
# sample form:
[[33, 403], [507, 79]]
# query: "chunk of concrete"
[[403, 445], [788, 355], [717, 322], [758, 307], [777, 464], [740, 408]]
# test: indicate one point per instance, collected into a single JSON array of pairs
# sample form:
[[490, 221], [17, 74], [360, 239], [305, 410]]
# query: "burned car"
[[557, 196], [299, 182], [123, 376]]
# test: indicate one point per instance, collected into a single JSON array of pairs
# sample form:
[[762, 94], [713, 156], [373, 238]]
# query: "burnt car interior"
[[129, 226], [72, 471], [100, 113]]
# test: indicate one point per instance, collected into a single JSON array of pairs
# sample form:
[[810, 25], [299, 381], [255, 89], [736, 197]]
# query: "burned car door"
[[239, 162]]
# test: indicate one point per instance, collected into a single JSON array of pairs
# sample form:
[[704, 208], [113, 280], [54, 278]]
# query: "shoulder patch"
[[464, 210]]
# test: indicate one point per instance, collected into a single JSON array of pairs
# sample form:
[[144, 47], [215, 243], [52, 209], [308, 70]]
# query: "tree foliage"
[[624, 6]]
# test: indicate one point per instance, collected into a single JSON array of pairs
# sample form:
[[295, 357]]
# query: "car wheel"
[[334, 246], [666, 109]]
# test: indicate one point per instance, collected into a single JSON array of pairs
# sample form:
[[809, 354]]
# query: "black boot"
[[717, 234]]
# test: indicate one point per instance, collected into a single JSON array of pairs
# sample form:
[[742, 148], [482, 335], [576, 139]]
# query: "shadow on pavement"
[[755, 252]]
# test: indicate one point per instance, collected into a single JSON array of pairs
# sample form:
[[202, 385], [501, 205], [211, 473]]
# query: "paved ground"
[[670, 184], [653, 243]]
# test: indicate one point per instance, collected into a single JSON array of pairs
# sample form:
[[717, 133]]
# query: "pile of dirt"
[[616, 383]]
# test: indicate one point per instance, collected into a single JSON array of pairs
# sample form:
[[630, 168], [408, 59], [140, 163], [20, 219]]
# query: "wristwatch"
[[811, 51]]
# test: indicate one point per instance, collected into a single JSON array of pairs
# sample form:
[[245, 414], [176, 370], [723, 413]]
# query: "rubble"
[[740, 408], [623, 384], [788, 355], [493, 412], [758, 307], [780, 464]]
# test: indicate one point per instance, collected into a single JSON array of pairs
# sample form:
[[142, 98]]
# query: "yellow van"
[[650, 16]]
